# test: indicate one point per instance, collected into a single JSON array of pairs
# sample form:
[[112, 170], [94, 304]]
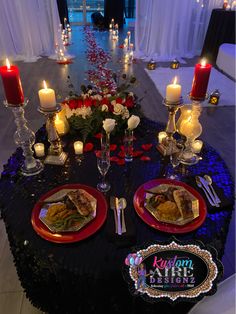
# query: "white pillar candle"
[[78, 147], [173, 91], [47, 97], [197, 146], [59, 125], [39, 149], [161, 136]]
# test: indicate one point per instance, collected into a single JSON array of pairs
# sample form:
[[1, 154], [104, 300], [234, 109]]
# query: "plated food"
[[172, 204], [76, 209]]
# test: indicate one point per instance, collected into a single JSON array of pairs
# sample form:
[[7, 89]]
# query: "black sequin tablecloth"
[[86, 277]]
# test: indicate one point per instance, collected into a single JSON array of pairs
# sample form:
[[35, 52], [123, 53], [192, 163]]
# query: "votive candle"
[[78, 147], [39, 149], [161, 136], [197, 146]]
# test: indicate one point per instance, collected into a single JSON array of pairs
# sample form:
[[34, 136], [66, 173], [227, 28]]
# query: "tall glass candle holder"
[[191, 128], [56, 155], [25, 138]]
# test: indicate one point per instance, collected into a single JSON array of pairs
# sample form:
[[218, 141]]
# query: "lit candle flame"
[[203, 62], [175, 80], [8, 64], [44, 85]]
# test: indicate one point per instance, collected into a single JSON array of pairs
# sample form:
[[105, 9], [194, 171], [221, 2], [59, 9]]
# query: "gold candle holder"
[[168, 146], [56, 155]]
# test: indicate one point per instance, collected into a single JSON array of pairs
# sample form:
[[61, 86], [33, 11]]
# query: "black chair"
[[98, 20]]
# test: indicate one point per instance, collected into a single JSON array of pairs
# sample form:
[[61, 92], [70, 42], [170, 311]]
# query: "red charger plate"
[[69, 237], [144, 214]]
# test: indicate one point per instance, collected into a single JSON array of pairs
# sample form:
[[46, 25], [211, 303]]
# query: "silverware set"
[[118, 206], [205, 183]]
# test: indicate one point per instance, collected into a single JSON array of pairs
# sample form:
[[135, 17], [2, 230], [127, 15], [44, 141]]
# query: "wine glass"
[[175, 161], [103, 164]]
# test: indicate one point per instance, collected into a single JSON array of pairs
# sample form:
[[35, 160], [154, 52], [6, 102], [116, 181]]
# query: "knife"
[[113, 207], [119, 229]]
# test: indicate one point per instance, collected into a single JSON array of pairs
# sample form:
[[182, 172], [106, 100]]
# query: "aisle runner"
[[163, 76]]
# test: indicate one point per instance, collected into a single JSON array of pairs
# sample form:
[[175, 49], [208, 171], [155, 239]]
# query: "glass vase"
[[128, 145]]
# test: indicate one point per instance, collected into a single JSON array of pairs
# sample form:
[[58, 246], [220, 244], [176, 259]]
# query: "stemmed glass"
[[175, 161], [103, 164]]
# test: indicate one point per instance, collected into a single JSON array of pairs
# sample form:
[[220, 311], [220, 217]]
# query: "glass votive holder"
[[39, 149], [128, 145], [78, 147], [161, 136], [197, 146]]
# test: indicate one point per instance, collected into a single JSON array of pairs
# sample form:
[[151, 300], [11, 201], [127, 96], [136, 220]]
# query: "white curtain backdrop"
[[28, 29], [171, 28]]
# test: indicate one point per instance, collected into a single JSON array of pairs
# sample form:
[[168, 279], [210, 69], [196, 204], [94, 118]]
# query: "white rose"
[[83, 111], [104, 108], [108, 95], [125, 114], [113, 102], [108, 125], [118, 109], [68, 112], [133, 122], [98, 97], [131, 94]]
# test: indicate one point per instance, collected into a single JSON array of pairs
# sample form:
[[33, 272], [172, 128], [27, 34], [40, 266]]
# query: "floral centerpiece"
[[86, 112]]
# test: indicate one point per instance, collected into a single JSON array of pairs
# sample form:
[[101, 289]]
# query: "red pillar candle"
[[200, 80], [12, 84]]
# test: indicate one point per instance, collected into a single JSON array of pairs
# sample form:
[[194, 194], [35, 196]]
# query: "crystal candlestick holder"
[[25, 138], [56, 155], [168, 145]]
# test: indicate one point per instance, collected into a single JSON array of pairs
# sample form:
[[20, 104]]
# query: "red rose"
[[72, 104], [80, 103], [129, 102], [94, 102], [105, 101], [88, 102], [119, 100], [110, 108]]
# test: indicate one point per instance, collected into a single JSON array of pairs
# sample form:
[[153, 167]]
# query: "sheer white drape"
[[28, 28], [171, 28]]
